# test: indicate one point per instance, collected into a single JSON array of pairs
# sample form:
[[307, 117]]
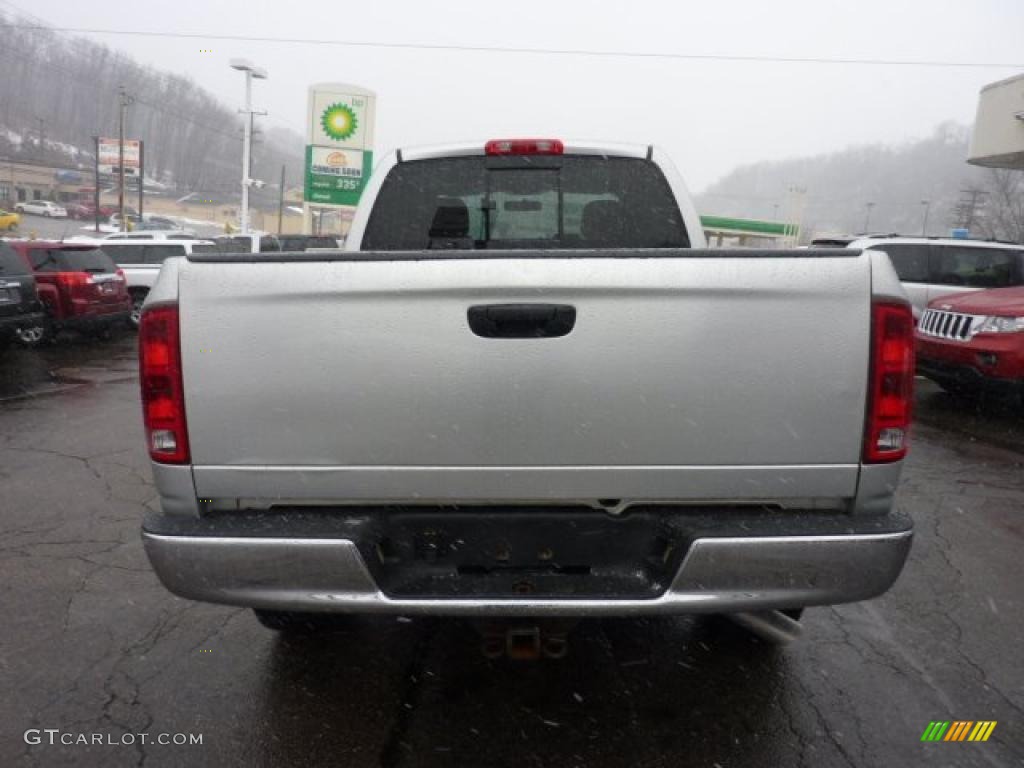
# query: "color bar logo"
[[958, 730]]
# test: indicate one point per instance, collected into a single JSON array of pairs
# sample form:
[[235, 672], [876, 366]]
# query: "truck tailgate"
[[683, 375]]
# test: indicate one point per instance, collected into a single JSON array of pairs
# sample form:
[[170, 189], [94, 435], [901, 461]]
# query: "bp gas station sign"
[[339, 143]]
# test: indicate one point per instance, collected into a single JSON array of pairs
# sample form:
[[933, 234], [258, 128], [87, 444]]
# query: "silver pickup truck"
[[527, 389]]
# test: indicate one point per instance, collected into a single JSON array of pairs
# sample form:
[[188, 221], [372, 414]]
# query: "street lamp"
[[924, 224], [867, 215], [251, 72]]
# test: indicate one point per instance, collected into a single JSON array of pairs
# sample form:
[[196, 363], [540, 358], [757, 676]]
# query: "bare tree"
[[1004, 205], [192, 140]]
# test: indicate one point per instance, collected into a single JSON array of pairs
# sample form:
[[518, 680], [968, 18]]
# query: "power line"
[[580, 52]]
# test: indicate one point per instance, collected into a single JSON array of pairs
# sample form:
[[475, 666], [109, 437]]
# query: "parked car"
[[307, 242], [134, 222], [21, 312], [252, 242], [45, 208], [153, 222], [9, 221], [932, 267], [526, 388], [970, 342], [261, 242], [80, 286], [140, 259], [147, 234], [87, 211]]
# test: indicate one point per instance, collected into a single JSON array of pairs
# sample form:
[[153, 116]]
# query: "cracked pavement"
[[91, 643]]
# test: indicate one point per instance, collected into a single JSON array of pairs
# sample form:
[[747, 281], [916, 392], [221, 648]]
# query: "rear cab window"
[[482, 202]]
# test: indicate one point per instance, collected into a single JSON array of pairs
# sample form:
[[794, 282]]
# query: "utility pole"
[[96, 183], [967, 209], [867, 215], [280, 202], [142, 173], [924, 224], [123, 101], [42, 137]]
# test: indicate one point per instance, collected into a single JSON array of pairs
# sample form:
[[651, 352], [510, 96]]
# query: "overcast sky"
[[710, 115]]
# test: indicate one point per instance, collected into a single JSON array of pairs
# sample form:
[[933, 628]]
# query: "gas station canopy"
[[998, 138]]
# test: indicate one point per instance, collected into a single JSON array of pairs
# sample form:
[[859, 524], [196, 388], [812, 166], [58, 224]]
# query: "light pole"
[[924, 223], [867, 215], [251, 71], [124, 100]]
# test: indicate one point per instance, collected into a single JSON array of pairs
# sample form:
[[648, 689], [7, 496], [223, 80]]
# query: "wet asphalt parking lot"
[[90, 643]]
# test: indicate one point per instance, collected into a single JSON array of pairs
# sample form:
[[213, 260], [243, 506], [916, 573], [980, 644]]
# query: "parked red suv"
[[972, 340], [79, 285]]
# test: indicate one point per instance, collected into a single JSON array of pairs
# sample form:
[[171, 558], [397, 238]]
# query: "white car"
[[141, 256], [42, 208], [930, 267], [159, 234]]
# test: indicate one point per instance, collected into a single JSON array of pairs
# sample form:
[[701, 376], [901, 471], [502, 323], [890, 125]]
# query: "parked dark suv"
[[21, 312], [80, 286]]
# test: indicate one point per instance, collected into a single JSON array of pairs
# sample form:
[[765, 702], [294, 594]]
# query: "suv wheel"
[[33, 335], [138, 298]]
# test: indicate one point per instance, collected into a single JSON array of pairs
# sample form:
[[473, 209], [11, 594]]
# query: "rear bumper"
[[964, 377], [92, 321], [987, 360], [10, 323], [843, 559]]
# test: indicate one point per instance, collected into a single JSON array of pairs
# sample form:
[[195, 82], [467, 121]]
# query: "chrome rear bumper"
[[717, 575]]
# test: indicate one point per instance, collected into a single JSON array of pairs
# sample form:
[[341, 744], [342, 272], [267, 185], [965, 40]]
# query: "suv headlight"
[[1001, 325]]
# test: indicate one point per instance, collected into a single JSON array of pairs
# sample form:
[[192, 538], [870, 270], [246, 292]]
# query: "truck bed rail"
[[532, 253]]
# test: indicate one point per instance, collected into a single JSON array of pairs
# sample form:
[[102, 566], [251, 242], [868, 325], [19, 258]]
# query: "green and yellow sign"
[[339, 143], [336, 176]]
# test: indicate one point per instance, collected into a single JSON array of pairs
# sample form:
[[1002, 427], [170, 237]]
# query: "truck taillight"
[[891, 385], [163, 396], [524, 147]]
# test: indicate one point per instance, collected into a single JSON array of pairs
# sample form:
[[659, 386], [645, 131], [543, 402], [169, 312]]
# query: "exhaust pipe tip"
[[774, 627]]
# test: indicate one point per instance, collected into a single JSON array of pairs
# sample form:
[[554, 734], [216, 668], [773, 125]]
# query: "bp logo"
[[339, 121]]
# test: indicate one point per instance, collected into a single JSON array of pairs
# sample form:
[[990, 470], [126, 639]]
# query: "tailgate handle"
[[521, 321]]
